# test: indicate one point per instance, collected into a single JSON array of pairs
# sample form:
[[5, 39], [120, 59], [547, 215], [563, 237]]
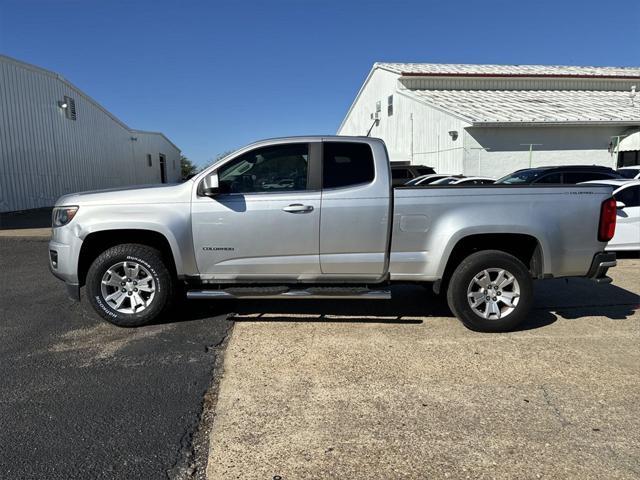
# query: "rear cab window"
[[345, 164]]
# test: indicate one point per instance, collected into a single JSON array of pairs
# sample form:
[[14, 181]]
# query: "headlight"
[[63, 215]]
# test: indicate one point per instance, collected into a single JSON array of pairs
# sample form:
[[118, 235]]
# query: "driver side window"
[[277, 168]]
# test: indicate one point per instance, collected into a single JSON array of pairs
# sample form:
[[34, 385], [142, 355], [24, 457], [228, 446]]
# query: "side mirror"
[[210, 185], [620, 205]]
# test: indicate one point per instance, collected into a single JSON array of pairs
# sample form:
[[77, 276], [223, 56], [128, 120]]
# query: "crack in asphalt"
[[547, 398]]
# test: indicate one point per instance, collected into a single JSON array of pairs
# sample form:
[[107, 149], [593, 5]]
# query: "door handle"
[[298, 208]]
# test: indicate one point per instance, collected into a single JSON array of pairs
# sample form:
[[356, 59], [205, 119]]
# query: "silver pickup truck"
[[316, 217]]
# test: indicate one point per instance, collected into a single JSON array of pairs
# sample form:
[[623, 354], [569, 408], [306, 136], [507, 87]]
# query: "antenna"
[[374, 124]]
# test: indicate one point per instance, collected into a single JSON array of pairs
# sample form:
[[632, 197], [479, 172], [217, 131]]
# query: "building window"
[[70, 110], [389, 105], [629, 158], [149, 160]]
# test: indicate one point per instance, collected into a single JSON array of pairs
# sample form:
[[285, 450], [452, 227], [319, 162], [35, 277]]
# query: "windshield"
[[628, 172], [523, 176]]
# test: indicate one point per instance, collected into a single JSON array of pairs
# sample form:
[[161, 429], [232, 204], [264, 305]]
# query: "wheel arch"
[[98, 241], [525, 247]]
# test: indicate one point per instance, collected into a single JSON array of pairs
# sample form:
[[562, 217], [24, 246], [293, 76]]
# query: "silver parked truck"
[[317, 218]]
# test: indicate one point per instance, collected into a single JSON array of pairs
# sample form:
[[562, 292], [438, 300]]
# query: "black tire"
[[474, 265], [149, 258]]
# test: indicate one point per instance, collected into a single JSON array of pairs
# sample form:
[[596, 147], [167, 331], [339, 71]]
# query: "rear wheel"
[[491, 291], [129, 285]]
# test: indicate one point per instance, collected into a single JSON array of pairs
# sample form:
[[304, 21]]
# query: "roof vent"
[[632, 95]]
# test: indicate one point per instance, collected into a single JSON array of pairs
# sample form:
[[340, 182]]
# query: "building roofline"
[[57, 76], [568, 123], [149, 132], [362, 87], [427, 69], [520, 75], [31, 66]]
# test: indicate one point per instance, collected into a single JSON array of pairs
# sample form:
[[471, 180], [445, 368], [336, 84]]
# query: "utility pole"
[[616, 149], [411, 118], [531, 145]]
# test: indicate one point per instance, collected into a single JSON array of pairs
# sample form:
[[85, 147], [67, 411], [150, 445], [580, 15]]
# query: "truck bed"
[[428, 221]]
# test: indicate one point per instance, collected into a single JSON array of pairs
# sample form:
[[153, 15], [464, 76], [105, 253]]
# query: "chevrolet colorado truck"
[[317, 217]]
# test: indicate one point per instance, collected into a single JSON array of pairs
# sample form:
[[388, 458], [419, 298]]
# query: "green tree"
[[187, 167]]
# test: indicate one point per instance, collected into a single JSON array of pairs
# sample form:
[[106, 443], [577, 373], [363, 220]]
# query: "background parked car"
[[629, 172], [400, 174], [627, 194], [568, 174], [428, 179], [465, 181]]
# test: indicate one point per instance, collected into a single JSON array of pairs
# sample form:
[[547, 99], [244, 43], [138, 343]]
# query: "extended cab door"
[[356, 209], [265, 221]]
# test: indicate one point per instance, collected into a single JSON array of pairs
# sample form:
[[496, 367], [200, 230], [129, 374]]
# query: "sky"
[[215, 75]]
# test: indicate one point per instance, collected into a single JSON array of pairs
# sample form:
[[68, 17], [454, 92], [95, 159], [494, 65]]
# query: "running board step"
[[290, 293]]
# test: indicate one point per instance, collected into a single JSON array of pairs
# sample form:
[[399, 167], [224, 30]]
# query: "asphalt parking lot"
[[343, 389], [80, 398]]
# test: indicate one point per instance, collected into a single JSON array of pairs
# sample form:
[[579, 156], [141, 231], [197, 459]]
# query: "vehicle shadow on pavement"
[[573, 298]]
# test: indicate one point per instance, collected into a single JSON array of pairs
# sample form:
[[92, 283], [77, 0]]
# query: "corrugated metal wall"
[[44, 154]]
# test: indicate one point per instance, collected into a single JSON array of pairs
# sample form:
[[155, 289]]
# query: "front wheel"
[[491, 291], [129, 285]]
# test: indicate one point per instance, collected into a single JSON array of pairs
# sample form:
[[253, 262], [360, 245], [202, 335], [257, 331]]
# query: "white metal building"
[[55, 139], [494, 119]]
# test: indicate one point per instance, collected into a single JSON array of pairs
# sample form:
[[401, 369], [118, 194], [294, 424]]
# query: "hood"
[[140, 194]]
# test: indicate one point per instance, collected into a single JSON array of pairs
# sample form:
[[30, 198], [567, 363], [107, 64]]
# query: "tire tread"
[[470, 266], [164, 296]]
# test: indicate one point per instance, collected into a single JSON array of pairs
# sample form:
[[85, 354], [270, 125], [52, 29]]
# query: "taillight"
[[607, 226]]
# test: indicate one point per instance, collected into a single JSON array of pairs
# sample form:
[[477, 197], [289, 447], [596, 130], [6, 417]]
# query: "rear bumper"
[[602, 262]]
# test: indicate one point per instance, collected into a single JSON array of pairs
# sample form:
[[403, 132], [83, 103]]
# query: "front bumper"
[[64, 252], [602, 262], [73, 289]]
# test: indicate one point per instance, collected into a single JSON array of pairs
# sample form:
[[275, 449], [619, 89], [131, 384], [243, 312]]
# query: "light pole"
[[530, 145]]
